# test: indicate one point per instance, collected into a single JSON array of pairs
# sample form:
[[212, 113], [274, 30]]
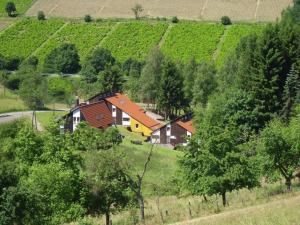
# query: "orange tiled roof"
[[133, 110], [188, 125], [97, 114]]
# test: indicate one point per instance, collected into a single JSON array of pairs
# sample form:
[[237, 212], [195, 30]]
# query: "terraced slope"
[[187, 40], [134, 39], [21, 39]]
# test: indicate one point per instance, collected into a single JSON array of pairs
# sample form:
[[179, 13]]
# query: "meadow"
[[10, 102]]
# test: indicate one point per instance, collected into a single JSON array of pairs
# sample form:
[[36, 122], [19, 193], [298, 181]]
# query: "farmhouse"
[[174, 133], [96, 115], [126, 113]]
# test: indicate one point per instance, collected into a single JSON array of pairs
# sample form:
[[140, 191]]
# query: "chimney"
[[77, 101]]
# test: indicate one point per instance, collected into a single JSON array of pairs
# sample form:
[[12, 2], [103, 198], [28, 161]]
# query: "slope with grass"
[[21, 39], [134, 39], [21, 6], [10, 102], [85, 36], [191, 39], [233, 36]]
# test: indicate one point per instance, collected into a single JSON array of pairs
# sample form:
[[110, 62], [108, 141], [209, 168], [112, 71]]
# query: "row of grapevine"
[[233, 36], [191, 39], [21, 5], [26, 36], [134, 39], [85, 36]]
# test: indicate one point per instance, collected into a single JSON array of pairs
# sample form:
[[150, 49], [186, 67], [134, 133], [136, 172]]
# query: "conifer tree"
[[189, 73]]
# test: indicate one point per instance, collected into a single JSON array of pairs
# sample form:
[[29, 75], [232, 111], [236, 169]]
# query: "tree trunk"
[[224, 201], [107, 218], [142, 208], [288, 183]]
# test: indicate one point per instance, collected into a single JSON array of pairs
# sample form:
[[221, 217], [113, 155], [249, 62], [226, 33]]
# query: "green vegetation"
[[134, 39], [190, 39], [21, 5], [84, 36], [26, 36], [46, 118], [10, 102], [233, 37]]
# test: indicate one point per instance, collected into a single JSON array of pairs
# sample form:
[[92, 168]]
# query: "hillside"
[[212, 10], [126, 39]]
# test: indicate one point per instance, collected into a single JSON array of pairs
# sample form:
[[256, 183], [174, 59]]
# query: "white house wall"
[[76, 118]]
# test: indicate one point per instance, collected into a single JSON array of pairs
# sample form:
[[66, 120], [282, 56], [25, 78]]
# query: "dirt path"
[[220, 44], [163, 38], [256, 10], [245, 211]]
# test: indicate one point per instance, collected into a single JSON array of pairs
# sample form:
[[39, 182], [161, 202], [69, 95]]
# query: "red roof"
[[97, 114], [133, 110], [188, 125]]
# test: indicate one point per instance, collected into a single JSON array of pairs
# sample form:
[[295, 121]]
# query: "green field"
[[187, 40], [134, 39], [84, 36], [45, 118], [21, 5], [127, 39], [233, 36], [26, 36]]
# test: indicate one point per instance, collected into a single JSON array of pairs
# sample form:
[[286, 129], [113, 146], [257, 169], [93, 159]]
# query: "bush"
[[41, 15], [225, 20], [13, 63], [175, 19], [87, 18], [63, 59]]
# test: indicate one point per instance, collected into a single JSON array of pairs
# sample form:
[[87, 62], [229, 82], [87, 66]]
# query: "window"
[[168, 128], [126, 119], [78, 118], [136, 125]]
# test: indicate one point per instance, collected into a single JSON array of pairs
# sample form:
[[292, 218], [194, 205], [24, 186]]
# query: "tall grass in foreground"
[[10, 102]]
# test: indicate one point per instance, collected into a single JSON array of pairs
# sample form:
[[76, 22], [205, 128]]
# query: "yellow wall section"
[[141, 128]]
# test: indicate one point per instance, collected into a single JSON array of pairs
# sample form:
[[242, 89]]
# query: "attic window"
[[100, 117]]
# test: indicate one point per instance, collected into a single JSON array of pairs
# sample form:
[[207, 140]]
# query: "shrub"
[[175, 19], [41, 15], [13, 63], [10, 8], [87, 18], [225, 20]]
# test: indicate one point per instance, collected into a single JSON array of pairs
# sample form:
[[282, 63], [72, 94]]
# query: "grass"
[[45, 118], [10, 102]]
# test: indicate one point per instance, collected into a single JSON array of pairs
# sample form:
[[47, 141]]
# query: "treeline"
[[250, 128]]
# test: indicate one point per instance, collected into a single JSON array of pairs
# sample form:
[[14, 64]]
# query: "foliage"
[[134, 39], [204, 83], [280, 149], [225, 20], [111, 79], [24, 37], [87, 18], [60, 89], [41, 15], [21, 5], [190, 39], [10, 8], [175, 19], [189, 74], [137, 10]]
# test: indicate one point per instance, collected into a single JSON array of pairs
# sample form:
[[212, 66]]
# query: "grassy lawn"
[[162, 167], [45, 118], [10, 102]]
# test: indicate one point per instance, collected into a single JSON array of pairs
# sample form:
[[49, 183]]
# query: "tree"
[[137, 10], [10, 8], [100, 59], [170, 96], [151, 75], [189, 74], [221, 156], [111, 79], [291, 94], [225, 20], [280, 149], [41, 15], [2, 62], [63, 59], [108, 189], [175, 19], [204, 83]]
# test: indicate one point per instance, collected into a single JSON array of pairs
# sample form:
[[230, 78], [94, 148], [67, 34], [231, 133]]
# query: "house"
[[96, 115], [126, 113], [177, 132]]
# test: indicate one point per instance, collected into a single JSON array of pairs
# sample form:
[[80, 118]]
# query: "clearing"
[[238, 10]]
